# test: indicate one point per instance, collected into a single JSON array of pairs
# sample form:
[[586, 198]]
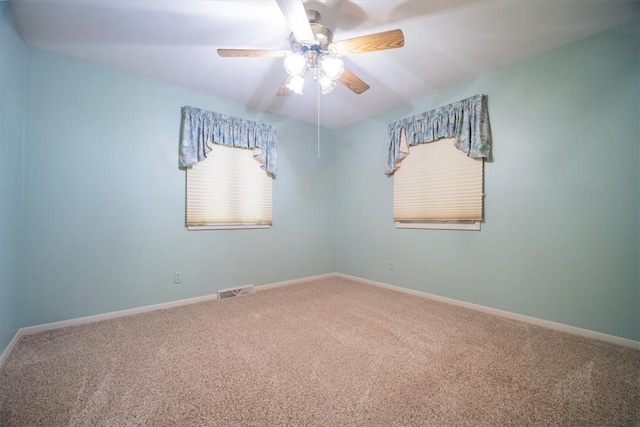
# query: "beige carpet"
[[329, 352]]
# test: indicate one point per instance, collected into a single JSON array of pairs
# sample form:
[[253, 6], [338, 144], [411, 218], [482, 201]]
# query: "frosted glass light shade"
[[326, 84], [331, 66], [296, 84], [295, 64]]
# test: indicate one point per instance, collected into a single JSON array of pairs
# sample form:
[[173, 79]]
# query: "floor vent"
[[236, 292]]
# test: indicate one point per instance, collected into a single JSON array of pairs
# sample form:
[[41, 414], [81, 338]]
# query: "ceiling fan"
[[313, 48]]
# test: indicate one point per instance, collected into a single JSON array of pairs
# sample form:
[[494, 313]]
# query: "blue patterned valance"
[[201, 128], [467, 121]]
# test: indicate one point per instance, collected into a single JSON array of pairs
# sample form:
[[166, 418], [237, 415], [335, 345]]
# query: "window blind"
[[228, 188], [437, 182]]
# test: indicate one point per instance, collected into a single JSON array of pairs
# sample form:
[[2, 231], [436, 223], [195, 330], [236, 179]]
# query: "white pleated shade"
[[436, 181], [229, 188]]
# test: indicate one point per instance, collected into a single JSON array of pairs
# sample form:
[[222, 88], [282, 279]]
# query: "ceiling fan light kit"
[[312, 47], [327, 68]]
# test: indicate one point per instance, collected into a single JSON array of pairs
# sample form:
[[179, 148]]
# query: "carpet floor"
[[326, 352]]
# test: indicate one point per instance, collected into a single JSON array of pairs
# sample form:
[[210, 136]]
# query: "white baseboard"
[[9, 347], [294, 281], [507, 314], [113, 315]]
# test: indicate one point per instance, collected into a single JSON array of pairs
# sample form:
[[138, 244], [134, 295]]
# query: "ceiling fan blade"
[[226, 53], [353, 82], [284, 89], [296, 17], [370, 43]]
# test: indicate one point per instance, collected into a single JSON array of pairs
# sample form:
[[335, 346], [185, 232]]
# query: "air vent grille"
[[236, 292]]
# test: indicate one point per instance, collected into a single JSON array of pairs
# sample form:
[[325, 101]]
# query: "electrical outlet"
[[177, 277], [391, 266]]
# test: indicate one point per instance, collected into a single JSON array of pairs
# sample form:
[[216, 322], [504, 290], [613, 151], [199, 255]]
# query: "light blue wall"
[[103, 219], [561, 236], [104, 199], [12, 66]]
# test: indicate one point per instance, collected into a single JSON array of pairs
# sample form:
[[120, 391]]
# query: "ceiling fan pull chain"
[[318, 96]]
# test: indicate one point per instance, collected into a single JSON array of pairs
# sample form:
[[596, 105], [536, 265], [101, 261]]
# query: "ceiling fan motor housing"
[[323, 36]]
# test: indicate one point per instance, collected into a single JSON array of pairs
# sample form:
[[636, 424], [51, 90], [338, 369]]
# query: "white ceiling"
[[446, 42]]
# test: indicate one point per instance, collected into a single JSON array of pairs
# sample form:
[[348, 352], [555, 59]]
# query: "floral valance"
[[201, 128], [467, 121]]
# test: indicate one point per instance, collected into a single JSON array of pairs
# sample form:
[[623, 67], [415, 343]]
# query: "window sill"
[[227, 227], [441, 225]]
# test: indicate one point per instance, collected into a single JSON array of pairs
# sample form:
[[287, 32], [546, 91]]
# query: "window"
[[438, 186], [228, 190]]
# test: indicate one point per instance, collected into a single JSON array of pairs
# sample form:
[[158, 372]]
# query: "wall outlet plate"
[[177, 277]]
